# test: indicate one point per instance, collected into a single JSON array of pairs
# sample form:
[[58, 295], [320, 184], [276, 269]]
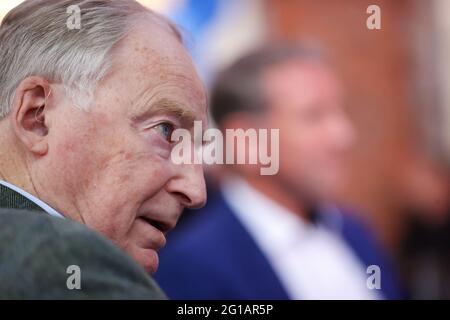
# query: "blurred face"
[[306, 104], [110, 167]]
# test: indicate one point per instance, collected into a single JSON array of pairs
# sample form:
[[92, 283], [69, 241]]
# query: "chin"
[[149, 260]]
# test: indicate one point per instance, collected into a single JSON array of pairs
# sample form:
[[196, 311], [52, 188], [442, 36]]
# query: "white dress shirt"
[[310, 261], [32, 198]]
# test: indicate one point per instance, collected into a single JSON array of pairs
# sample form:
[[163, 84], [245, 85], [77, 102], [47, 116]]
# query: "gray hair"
[[36, 41]]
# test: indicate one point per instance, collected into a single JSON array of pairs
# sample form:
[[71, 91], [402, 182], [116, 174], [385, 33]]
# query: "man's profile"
[[86, 117]]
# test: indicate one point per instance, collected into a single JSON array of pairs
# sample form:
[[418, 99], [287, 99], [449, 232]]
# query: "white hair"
[[36, 41]]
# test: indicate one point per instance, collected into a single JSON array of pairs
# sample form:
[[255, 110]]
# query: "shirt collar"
[[272, 225], [32, 198]]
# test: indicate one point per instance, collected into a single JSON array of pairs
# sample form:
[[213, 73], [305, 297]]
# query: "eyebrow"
[[169, 107]]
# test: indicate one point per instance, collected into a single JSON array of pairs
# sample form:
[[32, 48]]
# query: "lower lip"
[[159, 231]]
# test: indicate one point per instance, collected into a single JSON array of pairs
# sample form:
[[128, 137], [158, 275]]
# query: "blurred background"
[[398, 85], [397, 81]]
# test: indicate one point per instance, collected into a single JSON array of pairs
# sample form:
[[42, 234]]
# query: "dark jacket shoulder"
[[39, 253]]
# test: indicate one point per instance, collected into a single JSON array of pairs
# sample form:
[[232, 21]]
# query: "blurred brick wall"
[[380, 69]]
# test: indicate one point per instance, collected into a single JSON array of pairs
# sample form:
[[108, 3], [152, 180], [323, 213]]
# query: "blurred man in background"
[[280, 236]]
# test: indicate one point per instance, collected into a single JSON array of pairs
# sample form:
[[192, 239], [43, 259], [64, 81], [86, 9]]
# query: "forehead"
[[301, 81], [151, 64]]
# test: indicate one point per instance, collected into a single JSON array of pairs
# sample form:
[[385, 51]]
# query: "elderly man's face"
[[112, 164]]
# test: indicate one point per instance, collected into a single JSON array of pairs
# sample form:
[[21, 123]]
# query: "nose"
[[188, 185]]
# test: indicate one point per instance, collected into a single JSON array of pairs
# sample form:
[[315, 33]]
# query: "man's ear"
[[28, 114]]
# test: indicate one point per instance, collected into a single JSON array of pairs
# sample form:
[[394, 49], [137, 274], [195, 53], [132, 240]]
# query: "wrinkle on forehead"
[[171, 84]]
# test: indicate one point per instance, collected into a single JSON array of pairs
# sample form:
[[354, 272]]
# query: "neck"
[[280, 195], [13, 168], [18, 180]]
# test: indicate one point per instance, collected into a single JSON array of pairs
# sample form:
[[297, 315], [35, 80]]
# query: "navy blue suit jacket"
[[212, 256]]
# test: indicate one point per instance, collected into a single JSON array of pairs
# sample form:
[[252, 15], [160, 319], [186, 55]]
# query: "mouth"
[[161, 228]]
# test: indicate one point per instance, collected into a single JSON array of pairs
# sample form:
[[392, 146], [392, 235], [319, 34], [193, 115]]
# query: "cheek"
[[143, 175], [300, 155], [119, 191], [132, 178], [70, 163], [110, 177], [133, 174]]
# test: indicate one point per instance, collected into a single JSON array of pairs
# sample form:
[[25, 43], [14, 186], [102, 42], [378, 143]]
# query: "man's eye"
[[165, 129]]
